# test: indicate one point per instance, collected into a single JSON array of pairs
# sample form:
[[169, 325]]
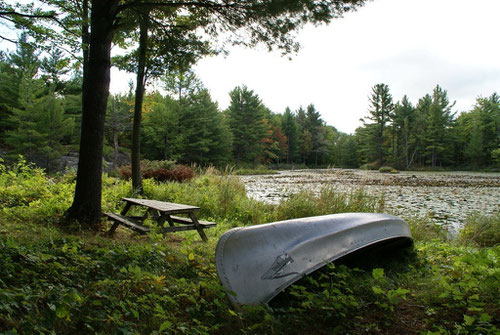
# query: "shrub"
[[178, 173], [387, 169], [161, 171], [369, 166], [27, 195]]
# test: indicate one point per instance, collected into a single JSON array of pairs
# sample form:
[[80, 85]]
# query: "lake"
[[447, 197]]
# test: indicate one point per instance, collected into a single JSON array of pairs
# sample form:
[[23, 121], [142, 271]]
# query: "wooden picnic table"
[[160, 212]]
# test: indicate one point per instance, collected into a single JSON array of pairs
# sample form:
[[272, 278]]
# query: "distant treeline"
[[40, 115]]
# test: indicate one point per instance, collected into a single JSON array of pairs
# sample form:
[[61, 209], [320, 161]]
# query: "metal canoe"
[[256, 263]]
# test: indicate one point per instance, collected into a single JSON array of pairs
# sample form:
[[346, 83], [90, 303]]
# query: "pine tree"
[[204, 131], [348, 151], [246, 121], [438, 123], [403, 120], [162, 137], [314, 125], [381, 108], [40, 127], [291, 130]]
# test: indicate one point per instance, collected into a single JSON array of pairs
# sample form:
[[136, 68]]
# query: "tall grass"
[[481, 230], [330, 200]]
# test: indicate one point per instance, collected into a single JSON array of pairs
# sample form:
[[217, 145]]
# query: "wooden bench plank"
[[126, 221], [204, 224], [183, 228]]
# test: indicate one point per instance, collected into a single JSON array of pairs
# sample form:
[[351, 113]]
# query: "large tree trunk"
[[86, 207], [85, 41], [139, 97]]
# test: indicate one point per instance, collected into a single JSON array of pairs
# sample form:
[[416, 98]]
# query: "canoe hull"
[[255, 263]]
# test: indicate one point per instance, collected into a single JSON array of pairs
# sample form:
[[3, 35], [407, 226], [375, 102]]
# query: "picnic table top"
[[162, 206]]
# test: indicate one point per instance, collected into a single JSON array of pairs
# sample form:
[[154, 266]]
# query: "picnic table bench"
[[160, 212]]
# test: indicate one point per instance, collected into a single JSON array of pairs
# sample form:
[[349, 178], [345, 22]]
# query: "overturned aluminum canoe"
[[256, 263]]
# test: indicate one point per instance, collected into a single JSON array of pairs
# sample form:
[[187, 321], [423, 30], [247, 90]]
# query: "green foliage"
[[424, 229], [329, 201], [380, 115], [387, 169], [85, 283], [27, 195], [483, 231], [246, 121], [462, 288]]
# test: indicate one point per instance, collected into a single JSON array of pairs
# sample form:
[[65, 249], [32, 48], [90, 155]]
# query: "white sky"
[[411, 45]]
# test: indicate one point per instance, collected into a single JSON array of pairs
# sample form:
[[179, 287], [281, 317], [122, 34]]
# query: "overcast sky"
[[410, 45]]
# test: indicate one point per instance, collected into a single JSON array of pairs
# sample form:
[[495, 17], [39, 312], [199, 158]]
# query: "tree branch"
[[8, 39], [137, 5], [29, 16]]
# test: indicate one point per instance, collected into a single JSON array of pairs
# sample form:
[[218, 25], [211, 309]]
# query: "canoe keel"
[[256, 263]]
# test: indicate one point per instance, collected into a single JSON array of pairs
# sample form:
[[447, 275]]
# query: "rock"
[[66, 162]]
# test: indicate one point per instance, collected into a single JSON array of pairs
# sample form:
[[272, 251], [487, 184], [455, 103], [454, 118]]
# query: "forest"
[[41, 106]]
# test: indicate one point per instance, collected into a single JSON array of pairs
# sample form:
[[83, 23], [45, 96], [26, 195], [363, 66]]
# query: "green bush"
[[387, 169], [28, 195], [370, 166]]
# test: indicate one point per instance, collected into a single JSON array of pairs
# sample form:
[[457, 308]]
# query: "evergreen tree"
[[314, 125], [474, 149], [15, 68], [489, 119], [417, 141], [479, 132], [381, 108], [246, 121], [306, 145], [9, 94], [40, 125], [367, 145], [438, 123], [348, 151], [403, 120], [291, 131], [162, 137], [54, 68], [206, 136]]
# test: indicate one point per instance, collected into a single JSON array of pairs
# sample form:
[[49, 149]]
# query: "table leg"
[[170, 221], [111, 230], [162, 218], [126, 208], [198, 226], [115, 225]]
